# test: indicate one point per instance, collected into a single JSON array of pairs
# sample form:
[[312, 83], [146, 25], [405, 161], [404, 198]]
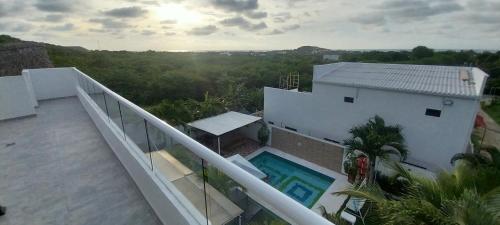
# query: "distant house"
[[331, 57], [435, 105]]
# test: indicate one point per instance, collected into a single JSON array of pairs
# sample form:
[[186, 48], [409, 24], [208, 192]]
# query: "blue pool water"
[[300, 183]]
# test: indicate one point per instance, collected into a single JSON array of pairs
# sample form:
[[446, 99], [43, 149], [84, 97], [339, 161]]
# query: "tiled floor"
[[55, 168]]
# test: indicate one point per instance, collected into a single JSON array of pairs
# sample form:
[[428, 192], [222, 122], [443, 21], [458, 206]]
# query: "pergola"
[[223, 123]]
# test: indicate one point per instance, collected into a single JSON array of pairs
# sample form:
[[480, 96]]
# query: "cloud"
[[282, 17], [3, 11], [291, 27], [483, 19], [150, 3], [53, 18], [8, 8], [403, 10], [256, 14], [275, 32], [55, 5], [168, 22], [65, 27], [242, 23], [170, 33], [108, 23], [292, 2], [205, 30], [236, 5], [482, 5], [19, 27], [126, 12], [369, 19], [148, 32]]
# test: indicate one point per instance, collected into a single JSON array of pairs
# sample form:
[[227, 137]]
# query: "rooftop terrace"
[[58, 169]]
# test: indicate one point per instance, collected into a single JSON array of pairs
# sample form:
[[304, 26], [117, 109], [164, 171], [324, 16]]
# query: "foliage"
[[263, 134], [4, 39], [493, 111], [486, 156], [265, 217], [451, 198], [333, 217], [376, 140], [218, 180], [421, 52]]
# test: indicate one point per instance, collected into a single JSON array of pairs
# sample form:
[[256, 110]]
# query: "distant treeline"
[[181, 87]]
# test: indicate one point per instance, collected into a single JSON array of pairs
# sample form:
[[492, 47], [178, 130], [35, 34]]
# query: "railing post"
[[149, 146], [106, 105], [121, 119], [205, 180]]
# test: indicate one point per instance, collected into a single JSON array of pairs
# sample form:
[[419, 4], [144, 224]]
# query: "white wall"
[[15, 99], [29, 84], [251, 131], [51, 83], [432, 141]]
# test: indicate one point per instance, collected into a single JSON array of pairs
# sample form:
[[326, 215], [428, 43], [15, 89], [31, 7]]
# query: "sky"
[[179, 25]]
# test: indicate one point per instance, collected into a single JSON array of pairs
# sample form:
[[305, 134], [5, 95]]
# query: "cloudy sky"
[[254, 24]]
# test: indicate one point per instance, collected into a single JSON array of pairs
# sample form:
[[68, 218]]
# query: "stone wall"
[[14, 57], [323, 153]]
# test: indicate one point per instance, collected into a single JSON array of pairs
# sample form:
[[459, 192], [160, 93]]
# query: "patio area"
[[228, 134]]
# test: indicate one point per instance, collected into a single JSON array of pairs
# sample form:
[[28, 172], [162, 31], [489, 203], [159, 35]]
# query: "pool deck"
[[331, 202]]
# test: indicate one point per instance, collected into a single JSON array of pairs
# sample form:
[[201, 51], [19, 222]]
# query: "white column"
[[218, 143]]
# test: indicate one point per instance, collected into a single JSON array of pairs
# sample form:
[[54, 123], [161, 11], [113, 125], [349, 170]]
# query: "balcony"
[[75, 152]]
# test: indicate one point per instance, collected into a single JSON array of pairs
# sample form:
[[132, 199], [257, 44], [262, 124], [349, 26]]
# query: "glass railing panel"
[[179, 169], [230, 203], [114, 112], [134, 127], [98, 98]]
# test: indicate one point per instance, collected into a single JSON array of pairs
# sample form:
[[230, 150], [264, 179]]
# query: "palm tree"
[[485, 156], [452, 198], [333, 217], [376, 140]]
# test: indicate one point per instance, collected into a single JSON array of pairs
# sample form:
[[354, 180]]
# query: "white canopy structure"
[[223, 123]]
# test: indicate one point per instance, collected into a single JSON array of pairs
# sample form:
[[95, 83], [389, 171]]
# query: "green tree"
[[376, 140], [420, 52], [452, 198]]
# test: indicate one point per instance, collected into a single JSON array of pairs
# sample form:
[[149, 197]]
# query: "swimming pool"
[[300, 183]]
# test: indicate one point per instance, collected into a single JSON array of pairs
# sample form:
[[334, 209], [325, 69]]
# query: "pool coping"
[[331, 202]]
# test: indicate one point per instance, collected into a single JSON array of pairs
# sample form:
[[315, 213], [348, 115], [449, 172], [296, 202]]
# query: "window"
[[271, 122], [291, 128], [349, 99], [330, 140], [433, 112]]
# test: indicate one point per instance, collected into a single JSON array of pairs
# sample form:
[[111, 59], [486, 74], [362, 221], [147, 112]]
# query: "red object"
[[362, 163], [479, 122]]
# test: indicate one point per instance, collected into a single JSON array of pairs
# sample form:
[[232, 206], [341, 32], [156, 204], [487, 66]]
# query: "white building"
[[435, 105]]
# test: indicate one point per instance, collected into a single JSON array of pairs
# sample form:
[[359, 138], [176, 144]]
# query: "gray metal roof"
[[223, 123], [427, 79]]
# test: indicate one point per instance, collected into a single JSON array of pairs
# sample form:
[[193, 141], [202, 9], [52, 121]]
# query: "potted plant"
[[351, 169], [263, 134]]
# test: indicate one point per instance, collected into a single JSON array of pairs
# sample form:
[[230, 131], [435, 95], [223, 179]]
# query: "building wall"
[[320, 152], [324, 114], [51, 83], [15, 100]]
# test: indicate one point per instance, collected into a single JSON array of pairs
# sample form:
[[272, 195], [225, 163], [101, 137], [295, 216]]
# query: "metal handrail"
[[293, 210]]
